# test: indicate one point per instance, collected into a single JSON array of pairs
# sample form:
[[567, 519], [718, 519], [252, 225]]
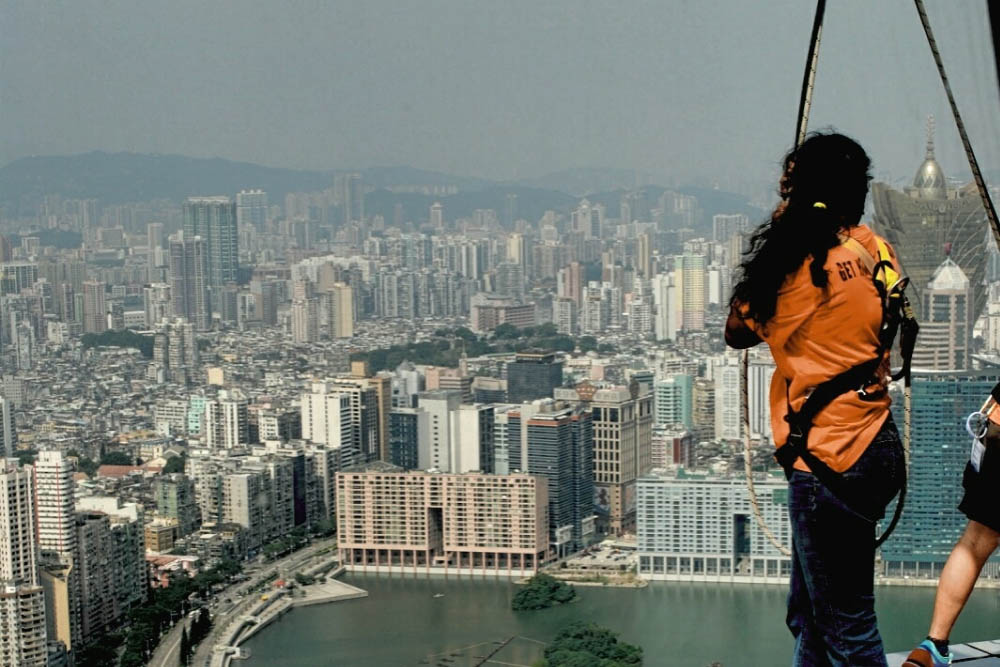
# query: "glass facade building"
[[939, 450], [533, 375]]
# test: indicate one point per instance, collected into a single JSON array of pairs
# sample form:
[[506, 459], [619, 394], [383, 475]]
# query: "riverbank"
[[274, 605]]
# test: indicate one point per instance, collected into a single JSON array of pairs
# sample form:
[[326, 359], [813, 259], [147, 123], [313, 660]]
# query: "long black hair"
[[823, 190]]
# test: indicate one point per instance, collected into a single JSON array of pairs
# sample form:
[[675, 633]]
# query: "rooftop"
[[949, 276]]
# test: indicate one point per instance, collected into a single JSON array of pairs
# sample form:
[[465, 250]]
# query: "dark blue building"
[[939, 450]]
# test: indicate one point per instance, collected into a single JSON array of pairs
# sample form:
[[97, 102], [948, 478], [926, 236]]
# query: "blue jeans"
[[831, 599]]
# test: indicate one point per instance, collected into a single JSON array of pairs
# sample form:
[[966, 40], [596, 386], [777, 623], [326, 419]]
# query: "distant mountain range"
[[116, 178]]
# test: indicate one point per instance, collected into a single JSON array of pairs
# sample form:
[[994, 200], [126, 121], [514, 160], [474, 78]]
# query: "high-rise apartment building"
[[340, 311], [112, 564], [327, 418], [405, 428], [95, 310], [227, 421], [533, 374], [244, 500], [644, 256], [426, 522], [189, 280], [157, 302], [8, 431], [666, 313], [673, 398], [251, 209], [727, 399], [175, 499], [702, 528], [23, 638], [692, 290], [55, 511], [569, 282], [564, 316], [725, 226], [305, 321], [214, 220], [458, 437]]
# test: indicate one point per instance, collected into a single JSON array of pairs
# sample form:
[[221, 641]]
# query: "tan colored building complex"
[[387, 517]]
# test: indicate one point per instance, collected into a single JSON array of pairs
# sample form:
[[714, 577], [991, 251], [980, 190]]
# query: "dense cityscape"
[[193, 390]]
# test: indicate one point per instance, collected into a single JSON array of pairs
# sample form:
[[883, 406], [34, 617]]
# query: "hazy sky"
[[501, 89]]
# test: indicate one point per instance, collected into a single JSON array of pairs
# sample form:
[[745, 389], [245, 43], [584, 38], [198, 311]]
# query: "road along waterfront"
[[402, 623]]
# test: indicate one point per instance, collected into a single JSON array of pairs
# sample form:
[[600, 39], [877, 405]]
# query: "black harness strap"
[[896, 314]]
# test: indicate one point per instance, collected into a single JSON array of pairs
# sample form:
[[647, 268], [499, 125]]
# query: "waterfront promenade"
[[166, 653]]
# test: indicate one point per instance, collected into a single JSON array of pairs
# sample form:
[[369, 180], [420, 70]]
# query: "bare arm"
[[738, 334]]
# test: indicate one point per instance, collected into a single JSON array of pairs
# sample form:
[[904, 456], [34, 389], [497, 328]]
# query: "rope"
[[805, 104], [809, 78], [977, 176]]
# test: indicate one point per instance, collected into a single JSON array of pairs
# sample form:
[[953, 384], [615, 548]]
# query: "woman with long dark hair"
[[806, 290]]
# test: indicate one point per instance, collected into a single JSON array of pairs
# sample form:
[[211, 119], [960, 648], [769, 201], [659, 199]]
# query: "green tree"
[[126, 339], [174, 464], [547, 329], [506, 331], [26, 456], [587, 344], [542, 591], [87, 466], [116, 459], [589, 645]]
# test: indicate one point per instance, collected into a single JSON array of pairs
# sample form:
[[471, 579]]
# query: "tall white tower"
[[22, 600]]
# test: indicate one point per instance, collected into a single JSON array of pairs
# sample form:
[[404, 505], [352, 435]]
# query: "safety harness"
[[897, 316]]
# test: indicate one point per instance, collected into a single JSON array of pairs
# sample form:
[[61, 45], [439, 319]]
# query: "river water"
[[402, 623]]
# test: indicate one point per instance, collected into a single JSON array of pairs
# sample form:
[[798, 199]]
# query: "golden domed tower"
[[928, 222]]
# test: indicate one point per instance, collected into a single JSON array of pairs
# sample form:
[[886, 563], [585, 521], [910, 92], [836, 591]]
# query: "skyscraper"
[[189, 279], [214, 220], [725, 226], [533, 374], [644, 256], [8, 434], [326, 417], [22, 601], [569, 283], [727, 399], [305, 320], [251, 208], [58, 545], [437, 216], [556, 441], [340, 311], [227, 420], [946, 321], [692, 290], [623, 436], [939, 450], [95, 311], [928, 222], [666, 312]]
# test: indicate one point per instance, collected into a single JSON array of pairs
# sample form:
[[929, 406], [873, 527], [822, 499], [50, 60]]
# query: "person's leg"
[[839, 571], [809, 648], [959, 576]]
